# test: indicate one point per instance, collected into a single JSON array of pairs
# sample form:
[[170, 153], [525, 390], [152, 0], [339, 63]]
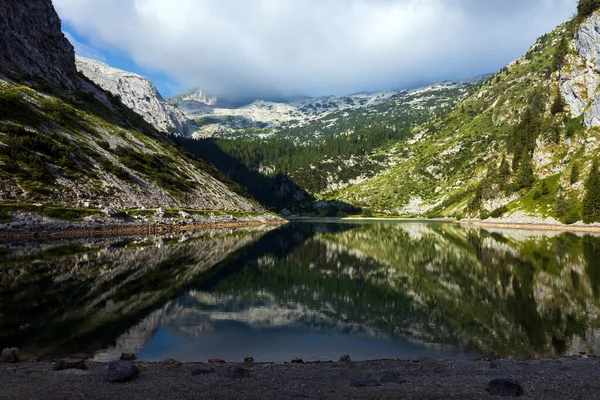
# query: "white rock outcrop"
[[139, 94], [580, 75]]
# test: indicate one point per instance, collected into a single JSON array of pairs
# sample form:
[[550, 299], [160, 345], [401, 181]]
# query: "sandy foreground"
[[564, 378]]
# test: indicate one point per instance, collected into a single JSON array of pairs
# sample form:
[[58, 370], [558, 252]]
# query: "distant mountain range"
[[197, 114]]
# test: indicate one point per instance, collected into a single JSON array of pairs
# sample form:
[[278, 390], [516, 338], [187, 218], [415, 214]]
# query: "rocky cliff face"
[[33, 45], [580, 75], [139, 94]]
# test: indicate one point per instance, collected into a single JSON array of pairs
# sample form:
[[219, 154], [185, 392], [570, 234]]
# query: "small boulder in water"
[[345, 358]]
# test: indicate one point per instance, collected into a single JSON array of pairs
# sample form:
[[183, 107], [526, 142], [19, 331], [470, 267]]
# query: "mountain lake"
[[311, 290]]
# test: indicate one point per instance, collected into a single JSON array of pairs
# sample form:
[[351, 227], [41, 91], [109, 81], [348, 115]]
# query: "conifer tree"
[[503, 172], [558, 105], [559, 54], [587, 7], [574, 178], [545, 188], [525, 178], [591, 200], [561, 203]]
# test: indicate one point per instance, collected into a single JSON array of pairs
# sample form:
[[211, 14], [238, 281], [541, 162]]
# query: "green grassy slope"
[[85, 149], [453, 166]]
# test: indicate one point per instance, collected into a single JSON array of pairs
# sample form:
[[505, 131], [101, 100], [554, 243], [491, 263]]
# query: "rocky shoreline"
[[561, 378], [26, 225], [532, 226], [501, 223]]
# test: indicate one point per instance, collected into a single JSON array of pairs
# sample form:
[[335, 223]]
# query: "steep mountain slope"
[[139, 94], [66, 142], [512, 148]]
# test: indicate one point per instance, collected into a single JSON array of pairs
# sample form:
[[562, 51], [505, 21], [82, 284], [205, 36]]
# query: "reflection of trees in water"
[[442, 283], [80, 296], [506, 291]]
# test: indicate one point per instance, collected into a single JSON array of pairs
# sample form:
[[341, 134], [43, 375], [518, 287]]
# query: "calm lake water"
[[309, 290]]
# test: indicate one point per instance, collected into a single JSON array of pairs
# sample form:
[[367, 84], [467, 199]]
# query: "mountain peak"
[[195, 94]]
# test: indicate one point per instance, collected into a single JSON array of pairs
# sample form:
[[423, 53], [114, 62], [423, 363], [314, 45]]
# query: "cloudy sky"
[[247, 49]]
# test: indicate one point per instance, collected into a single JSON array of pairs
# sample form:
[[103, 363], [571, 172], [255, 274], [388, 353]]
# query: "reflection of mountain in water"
[[197, 313], [83, 295], [515, 293], [518, 293]]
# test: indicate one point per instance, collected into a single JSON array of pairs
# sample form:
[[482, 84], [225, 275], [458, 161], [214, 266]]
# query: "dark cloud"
[[278, 48]]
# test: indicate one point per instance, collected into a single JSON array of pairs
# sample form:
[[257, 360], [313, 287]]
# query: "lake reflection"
[[309, 290]]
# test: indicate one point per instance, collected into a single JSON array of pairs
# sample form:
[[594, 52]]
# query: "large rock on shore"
[[118, 372], [11, 355]]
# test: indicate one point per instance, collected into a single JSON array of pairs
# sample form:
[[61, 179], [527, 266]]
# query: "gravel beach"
[[563, 378]]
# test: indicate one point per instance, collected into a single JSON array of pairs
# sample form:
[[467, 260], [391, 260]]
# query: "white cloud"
[[294, 47]]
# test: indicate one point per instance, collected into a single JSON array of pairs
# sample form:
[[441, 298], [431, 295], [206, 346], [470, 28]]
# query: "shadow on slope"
[[274, 192]]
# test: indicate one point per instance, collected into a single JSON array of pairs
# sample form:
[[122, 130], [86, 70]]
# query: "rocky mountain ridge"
[[193, 101], [139, 94], [580, 76], [275, 119]]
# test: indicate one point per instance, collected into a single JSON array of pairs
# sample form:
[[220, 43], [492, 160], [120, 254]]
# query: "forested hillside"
[[328, 153]]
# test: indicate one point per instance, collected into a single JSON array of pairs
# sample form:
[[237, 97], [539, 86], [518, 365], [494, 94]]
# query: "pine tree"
[[559, 54], [587, 7], [574, 178], [561, 203], [591, 200], [558, 105], [503, 172], [525, 178], [545, 188]]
